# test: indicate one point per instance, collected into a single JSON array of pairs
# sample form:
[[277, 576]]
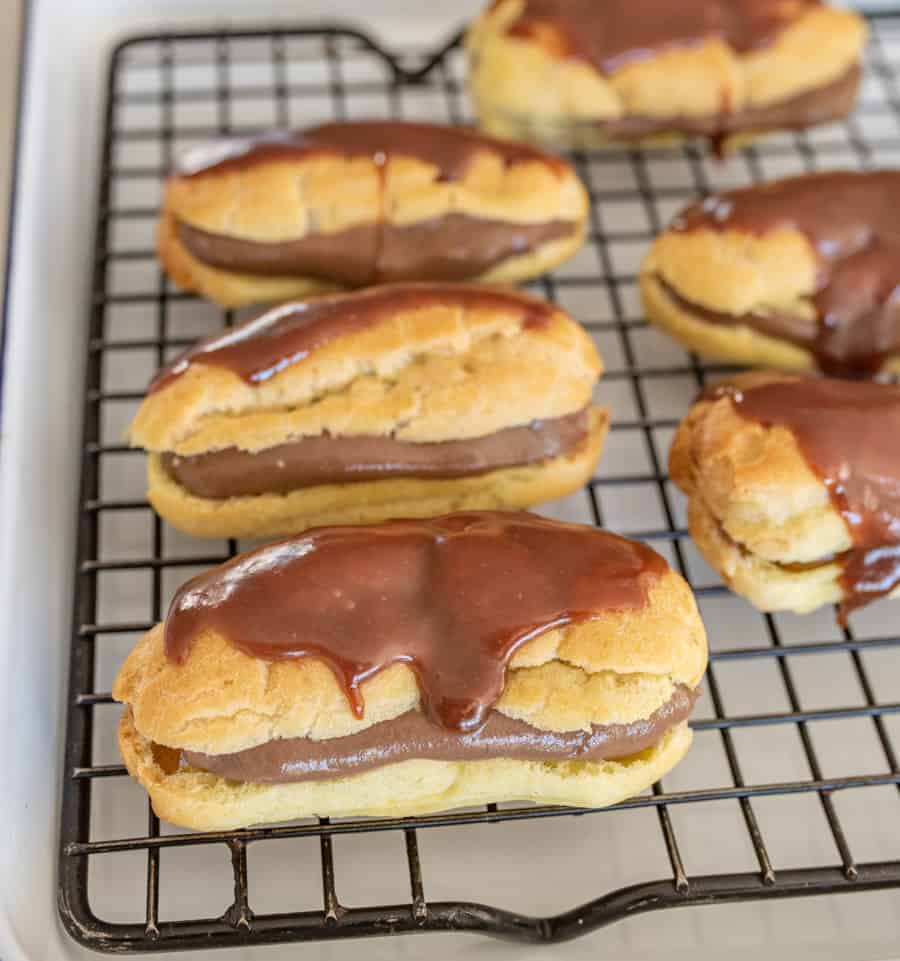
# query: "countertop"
[[10, 29]]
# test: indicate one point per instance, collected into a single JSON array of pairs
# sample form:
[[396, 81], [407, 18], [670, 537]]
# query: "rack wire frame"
[[239, 924]]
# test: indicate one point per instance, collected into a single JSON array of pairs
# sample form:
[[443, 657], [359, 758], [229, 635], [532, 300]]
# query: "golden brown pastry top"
[[286, 186], [417, 362], [327, 634], [821, 249], [581, 59]]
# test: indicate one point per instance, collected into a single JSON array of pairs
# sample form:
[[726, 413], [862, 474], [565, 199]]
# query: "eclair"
[[352, 204], [582, 73], [800, 273], [793, 488], [398, 401], [410, 667]]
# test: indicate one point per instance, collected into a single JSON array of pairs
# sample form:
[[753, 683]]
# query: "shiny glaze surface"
[[450, 149], [612, 35], [286, 335], [453, 597]]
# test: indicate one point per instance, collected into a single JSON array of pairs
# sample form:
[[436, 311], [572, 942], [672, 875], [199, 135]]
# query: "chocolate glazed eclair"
[[794, 488], [410, 667], [800, 273], [353, 204], [403, 400], [581, 72]]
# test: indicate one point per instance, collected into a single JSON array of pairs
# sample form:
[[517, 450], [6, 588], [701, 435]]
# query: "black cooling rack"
[[167, 90]]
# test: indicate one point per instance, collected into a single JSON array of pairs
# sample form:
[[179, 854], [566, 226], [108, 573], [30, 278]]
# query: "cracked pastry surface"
[[794, 488], [226, 673], [406, 400], [351, 204], [800, 273], [580, 73]]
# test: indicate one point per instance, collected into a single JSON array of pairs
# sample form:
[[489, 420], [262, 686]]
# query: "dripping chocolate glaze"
[[850, 220], [340, 460], [611, 35], [413, 736], [450, 149], [286, 335], [849, 434], [454, 597]]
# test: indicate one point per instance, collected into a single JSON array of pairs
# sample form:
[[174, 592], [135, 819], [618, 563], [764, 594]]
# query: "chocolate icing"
[[283, 336], [450, 149], [453, 597], [849, 219], [345, 257], [339, 460], [452, 247], [868, 576], [412, 736], [612, 35], [849, 434]]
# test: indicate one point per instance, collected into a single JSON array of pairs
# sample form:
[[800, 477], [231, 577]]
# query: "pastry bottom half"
[[730, 132], [565, 134], [367, 502], [206, 802], [769, 586], [231, 289], [736, 343]]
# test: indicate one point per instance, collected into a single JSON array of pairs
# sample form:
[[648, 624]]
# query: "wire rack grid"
[[791, 787]]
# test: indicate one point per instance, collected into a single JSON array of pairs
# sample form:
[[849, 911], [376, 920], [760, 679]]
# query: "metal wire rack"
[[166, 91]]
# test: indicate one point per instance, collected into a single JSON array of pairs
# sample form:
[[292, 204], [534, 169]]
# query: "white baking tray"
[[535, 867]]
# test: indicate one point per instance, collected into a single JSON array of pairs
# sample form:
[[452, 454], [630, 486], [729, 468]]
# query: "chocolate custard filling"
[[802, 331], [452, 247], [824, 104], [412, 736], [339, 460]]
